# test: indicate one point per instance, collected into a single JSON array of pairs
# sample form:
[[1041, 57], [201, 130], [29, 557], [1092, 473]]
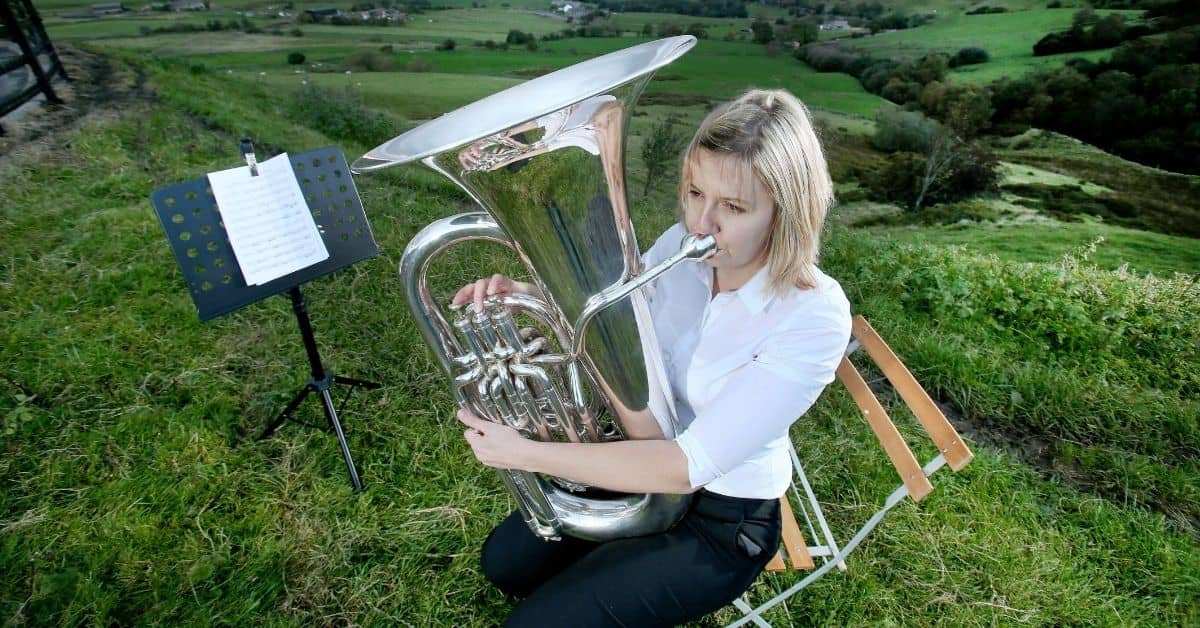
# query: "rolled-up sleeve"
[[761, 399]]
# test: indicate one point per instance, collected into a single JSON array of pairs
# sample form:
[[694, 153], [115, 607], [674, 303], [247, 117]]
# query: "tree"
[[937, 161], [800, 31], [947, 169], [763, 32], [295, 58], [931, 67], [965, 107], [1082, 19], [660, 151]]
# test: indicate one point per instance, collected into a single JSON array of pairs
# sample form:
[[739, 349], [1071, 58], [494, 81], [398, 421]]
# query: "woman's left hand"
[[495, 445]]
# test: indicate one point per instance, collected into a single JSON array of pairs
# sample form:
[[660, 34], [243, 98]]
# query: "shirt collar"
[[755, 294]]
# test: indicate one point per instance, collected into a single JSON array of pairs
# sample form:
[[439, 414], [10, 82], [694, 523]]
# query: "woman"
[[750, 338]]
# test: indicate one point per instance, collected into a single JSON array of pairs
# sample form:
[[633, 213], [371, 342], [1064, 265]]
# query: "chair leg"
[[813, 505], [742, 605]]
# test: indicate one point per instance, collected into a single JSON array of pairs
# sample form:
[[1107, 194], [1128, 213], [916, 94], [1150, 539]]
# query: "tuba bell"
[[545, 159]]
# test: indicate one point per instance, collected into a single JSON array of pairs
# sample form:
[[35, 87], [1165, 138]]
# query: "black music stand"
[[193, 226]]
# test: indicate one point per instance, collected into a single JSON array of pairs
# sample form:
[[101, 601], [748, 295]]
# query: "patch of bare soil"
[[95, 88]]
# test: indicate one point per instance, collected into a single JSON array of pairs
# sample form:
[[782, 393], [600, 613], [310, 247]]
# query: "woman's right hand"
[[495, 286]]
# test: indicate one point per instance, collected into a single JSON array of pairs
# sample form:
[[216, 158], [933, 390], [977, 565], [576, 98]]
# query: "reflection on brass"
[[545, 159]]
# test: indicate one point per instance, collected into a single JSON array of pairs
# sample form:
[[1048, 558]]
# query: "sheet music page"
[[268, 221]]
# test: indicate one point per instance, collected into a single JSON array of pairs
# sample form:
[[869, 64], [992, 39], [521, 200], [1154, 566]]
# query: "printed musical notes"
[[267, 219]]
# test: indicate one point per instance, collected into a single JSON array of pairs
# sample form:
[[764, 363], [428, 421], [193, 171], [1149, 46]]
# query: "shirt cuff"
[[701, 468]]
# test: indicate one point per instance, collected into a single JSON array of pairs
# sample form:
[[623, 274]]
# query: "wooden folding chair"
[[795, 553]]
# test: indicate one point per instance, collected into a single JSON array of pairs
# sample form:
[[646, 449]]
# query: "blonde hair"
[[773, 132]]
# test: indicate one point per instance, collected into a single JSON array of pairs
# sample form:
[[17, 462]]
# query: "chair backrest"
[[795, 553]]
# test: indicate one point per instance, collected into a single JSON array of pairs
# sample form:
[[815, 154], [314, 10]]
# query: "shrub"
[[762, 30], [418, 64], [969, 56], [827, 57], [959, 172], [518, 37], [1135, 327], [339, 114], [877, 74], [898, 180], [660, 151], [899, 130], [369, 61], [1069, 202], [295, 58], [447, 44], [943, 214]]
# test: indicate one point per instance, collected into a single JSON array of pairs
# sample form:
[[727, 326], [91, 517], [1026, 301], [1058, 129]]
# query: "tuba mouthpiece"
[[698, 247]]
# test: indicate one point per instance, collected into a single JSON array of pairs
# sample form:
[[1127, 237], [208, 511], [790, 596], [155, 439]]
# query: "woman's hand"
[[495, 445], [495, 286]]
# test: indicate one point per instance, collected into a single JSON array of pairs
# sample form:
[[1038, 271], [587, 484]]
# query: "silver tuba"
[[546, 160]]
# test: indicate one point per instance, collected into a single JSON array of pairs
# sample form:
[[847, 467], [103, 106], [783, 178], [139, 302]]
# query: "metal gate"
[[28, 61]]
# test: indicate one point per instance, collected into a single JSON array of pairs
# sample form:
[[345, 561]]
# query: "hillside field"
[[1060, 343]]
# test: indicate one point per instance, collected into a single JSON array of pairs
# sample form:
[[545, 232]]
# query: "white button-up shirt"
[[743, 366]]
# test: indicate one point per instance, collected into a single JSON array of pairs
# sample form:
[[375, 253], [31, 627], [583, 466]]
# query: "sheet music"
[[267, 219]]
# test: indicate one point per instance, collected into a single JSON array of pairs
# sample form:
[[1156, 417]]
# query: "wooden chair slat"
[[776, 564], [889, 437], [939, 429], [794, 553], [793, 538]]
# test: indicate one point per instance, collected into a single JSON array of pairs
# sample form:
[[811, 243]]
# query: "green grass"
[[711, 72], [717, 27], [406, 93], [1008, 38], [1165, 201], [1043, 243], [118, 26], [137, 492]]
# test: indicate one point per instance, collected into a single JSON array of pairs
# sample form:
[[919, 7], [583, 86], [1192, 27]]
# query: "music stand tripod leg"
[[321, 382], [361, 383], [287, 412], [331, 414]]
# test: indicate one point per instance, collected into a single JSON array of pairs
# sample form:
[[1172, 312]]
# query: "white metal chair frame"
[[915, 483]]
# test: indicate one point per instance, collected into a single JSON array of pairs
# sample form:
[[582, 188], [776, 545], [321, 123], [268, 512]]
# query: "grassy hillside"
[[1008, 38], [714, 70], [139, 494]]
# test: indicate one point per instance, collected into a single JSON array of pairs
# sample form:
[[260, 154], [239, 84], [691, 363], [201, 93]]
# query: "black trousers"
[[702, 564]]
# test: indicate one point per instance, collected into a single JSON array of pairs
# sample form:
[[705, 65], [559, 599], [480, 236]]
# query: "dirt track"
[[94, 87]]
